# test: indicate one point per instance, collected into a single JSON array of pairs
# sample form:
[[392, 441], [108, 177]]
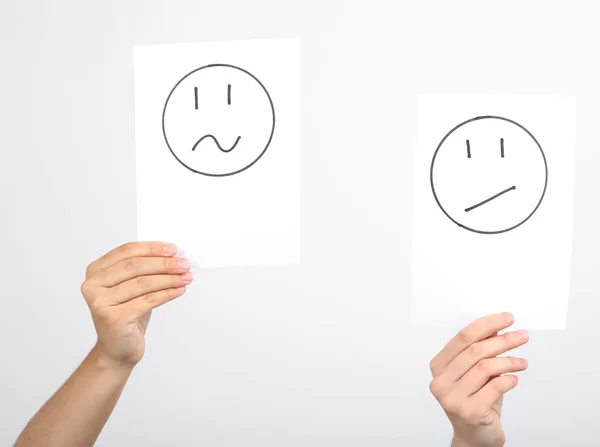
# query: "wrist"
[[457, 441], [103, 361]]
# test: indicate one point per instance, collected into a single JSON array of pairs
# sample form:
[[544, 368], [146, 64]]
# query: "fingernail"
[[523, 335], [183, 264], [180, 289], [187, 278], [508, 317], [170, 249]]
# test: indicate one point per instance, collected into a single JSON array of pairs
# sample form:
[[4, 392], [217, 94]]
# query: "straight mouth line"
[[512, 188]]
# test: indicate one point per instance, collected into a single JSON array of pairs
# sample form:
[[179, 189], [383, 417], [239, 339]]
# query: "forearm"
[[77, 412], [457, 442]]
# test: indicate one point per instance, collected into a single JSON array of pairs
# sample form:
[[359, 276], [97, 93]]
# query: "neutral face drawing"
[[489, 175], [218, 120]]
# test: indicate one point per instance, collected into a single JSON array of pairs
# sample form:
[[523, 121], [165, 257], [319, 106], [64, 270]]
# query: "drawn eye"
[[196, 97], [468, 149], [229, 94]]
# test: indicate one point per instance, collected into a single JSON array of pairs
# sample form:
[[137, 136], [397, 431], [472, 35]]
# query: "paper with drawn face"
[[493, 209], [233, 111], [217, 150]]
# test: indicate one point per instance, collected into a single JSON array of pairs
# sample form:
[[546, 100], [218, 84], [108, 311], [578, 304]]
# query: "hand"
[[468, 379], [122, 288]]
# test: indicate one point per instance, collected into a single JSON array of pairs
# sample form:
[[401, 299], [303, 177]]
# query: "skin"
[[470, 380], [121, 289], [125, 285]]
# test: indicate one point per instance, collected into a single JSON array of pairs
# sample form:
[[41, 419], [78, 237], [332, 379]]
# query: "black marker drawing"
[[512, 188], [458, 183], [217, 143], [218, 136]]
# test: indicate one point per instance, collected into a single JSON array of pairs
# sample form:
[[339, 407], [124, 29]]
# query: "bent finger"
[[143, 285], [478, 330], [141, 266], [484, 349], [130, 250], [494, 390], [144, 304], [478, 376]]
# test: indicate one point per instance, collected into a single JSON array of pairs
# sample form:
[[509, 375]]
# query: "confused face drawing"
[[489, 175], [218, 120]]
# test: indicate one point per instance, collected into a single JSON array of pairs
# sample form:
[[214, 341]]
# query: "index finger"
[[478, 330], [130, 250]]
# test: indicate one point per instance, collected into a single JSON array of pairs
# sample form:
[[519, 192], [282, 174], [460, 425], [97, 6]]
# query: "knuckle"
[[168, 264], [497, 386], [175, 280], [151, 298], [156, 248], [99, 311], [89, 271], [484, 367], [142, 281], [465, 337], [475, 350], [437, 388], [95, 306], [127, 248], [434, 387], [509, 339], [433, 367], [130, 265], [88, 291], [169, 295], [85, 288], [156, 298]]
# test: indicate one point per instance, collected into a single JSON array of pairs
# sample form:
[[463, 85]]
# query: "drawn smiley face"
[[218, 120], [489, 175]]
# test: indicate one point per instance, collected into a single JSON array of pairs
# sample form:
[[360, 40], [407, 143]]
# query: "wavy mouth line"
[[217, 143]]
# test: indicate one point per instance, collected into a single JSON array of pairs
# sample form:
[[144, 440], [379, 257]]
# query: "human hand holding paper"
[[121, 289], [468, 379], [124, 286]]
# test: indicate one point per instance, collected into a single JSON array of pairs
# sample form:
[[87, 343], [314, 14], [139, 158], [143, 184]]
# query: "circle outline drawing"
[[477, 118], [272, 113]]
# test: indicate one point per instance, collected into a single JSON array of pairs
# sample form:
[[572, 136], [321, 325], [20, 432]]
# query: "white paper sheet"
[[493, 209], [217, 150]]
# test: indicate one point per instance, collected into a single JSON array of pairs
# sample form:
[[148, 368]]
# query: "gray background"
[[321, 353]]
